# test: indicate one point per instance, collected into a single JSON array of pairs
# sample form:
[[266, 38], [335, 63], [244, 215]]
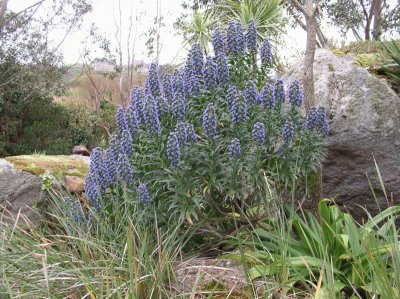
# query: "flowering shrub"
[[198, 143]]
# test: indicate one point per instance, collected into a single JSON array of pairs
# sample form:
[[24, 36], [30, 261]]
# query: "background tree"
[[298, 20], [371, 16], [31, 67], [310, 12]]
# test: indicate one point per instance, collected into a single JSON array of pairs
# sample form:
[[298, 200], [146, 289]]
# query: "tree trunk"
[[367, 30], [377, 29], [308, 76], [310, 12], [322, 40], [368, 17]]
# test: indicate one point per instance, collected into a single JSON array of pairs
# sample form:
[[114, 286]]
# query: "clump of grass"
[[130, 258]]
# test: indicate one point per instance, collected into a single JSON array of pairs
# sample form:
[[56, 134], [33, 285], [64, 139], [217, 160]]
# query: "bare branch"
[[37, 4], [26, 21], [364, 9], [299, 7], [356, 34], [316, 10]]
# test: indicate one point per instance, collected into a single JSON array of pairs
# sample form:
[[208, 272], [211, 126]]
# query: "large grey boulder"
[[365, 124], [22, 180]]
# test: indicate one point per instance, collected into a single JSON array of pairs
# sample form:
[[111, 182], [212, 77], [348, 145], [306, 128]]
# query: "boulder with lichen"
[[365, 125], [22, 182]]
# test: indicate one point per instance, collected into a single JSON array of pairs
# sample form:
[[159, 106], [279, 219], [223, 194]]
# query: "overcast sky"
[[105, 12]]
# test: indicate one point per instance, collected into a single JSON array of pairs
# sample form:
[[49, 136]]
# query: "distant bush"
[[43, 125], [88, 127]]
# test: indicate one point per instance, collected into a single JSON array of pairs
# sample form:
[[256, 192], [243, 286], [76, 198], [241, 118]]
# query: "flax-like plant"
[[346, 257], [392, 68]]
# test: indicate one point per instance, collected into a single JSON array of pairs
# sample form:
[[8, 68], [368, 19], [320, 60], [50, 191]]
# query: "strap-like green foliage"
[[332, 242], [392, 69]]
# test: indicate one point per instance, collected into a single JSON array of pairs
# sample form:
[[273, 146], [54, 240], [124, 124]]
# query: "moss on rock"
[[58, 166], [368, 60]]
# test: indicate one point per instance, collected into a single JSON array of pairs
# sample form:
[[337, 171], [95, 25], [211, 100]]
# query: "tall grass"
[[291, 254], [131, 258]]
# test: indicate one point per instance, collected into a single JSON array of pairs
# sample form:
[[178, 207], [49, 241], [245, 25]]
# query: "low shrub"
[[22, 128], [90, 127]]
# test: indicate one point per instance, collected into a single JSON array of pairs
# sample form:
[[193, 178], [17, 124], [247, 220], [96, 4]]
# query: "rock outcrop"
[[365, 125], [22, 181]]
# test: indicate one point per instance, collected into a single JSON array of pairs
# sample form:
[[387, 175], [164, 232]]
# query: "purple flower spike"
[[222, 69], [266, 53], [295, 94], [143, 193], [210, 121], [251, 37], [173, 149], [258, 133], [288, 132], [234, 148], [153, 81], [218, 42]]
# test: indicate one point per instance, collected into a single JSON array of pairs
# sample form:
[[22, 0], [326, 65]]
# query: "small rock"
[[202, 274], [74, 184], [80, 150]]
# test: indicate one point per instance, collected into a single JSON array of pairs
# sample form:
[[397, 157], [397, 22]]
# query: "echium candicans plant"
[[199, 141]]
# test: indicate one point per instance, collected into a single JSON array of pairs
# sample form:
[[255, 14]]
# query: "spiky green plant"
[[199, 30], [268, 15], [392, 68]]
